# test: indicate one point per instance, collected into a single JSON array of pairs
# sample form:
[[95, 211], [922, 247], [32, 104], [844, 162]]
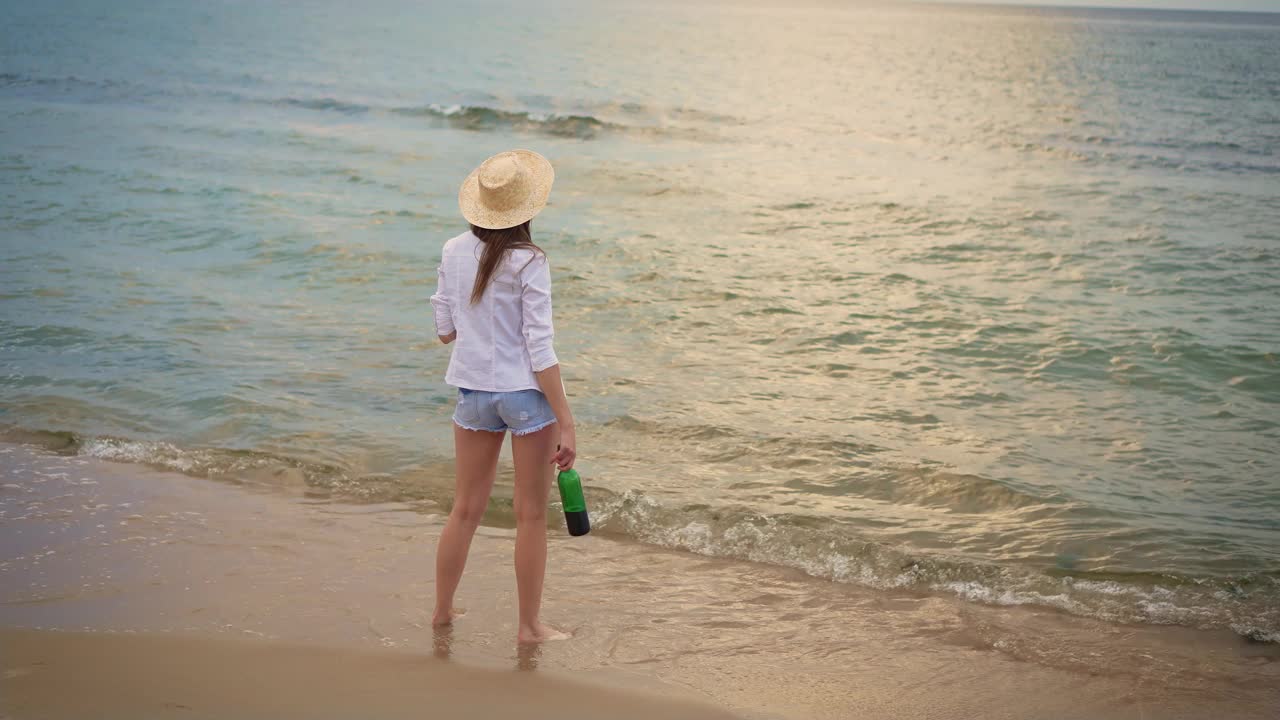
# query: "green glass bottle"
[[575, 505]]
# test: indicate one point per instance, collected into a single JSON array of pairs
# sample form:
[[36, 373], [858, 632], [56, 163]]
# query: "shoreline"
[[116, 548], [736, 533]]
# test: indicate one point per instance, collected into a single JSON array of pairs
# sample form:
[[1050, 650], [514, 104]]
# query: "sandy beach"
[[133, 592], [80, 675]]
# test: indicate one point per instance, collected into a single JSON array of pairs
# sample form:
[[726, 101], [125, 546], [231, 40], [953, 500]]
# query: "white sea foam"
[[751, 536]]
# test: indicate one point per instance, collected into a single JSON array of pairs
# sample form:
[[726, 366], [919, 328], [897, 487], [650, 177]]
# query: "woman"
[[493, 301]]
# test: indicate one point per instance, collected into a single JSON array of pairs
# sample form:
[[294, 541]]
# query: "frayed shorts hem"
[[477, 429], [535, 428], [526, 431]]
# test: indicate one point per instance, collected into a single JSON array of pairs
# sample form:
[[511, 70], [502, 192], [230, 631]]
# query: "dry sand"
[[99, 675]]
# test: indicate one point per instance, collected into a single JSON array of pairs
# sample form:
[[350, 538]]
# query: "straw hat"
[[506, 190]]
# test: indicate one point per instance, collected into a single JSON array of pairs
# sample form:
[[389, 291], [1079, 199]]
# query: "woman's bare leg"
[[476, 466], [532, 454]]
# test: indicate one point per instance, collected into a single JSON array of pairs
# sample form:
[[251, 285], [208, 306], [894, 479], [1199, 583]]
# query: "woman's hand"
[[446, 339], [567, 451]]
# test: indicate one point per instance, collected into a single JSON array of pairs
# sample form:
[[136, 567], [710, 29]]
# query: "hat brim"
[[542, 176]]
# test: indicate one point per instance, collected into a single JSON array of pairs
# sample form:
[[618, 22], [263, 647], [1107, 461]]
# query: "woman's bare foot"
[[440, 619], [538, 633]]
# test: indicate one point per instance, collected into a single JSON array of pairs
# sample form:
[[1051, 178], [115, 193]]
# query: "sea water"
[[964, 300]]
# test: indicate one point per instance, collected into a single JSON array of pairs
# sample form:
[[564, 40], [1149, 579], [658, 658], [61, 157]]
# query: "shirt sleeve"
[[535, 308], [440, 302]]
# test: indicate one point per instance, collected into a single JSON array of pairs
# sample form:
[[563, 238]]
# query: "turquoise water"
[[974, 301]]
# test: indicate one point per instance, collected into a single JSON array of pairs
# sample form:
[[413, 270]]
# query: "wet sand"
[[251, 592]]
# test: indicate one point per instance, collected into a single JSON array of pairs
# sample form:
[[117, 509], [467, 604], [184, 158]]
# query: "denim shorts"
[[522, 411]]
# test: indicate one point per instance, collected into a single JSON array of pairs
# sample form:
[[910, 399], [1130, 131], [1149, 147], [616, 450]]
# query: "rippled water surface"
[[969, 300]]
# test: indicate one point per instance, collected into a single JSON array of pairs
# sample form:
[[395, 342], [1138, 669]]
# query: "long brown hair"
[[497, 243]]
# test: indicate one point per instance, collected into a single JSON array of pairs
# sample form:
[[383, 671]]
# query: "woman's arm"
[[443, 311], [535, 304], [553, 387]]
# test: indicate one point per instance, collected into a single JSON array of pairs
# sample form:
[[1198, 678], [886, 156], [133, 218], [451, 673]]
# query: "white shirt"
[[507, 336]]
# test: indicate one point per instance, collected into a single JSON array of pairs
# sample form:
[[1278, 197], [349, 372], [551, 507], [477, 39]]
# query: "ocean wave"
[[63, 82], [469, 117], [237, 466], [481, 118], [64, 88], [1207, 156], [587, 124], [1249, 605], [902, 484], [324, 104]]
